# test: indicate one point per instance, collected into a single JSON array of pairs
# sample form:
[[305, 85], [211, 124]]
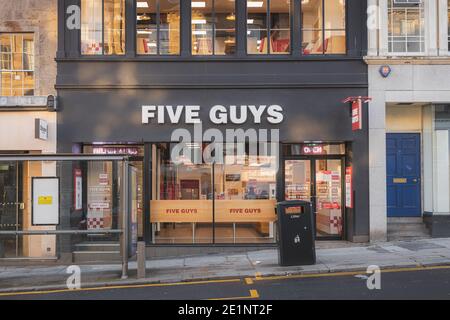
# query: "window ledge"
[[416, 60]]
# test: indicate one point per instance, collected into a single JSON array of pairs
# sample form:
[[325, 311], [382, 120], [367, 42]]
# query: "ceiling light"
[[142, 4], [255, 4], [198, 4], [198, 21]]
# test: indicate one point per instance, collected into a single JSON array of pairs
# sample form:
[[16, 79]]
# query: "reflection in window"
[[264, 20], [158, 27], [323, 27], [16, 64], [103, 27], [230, 202], [406, 27], [213, 27]]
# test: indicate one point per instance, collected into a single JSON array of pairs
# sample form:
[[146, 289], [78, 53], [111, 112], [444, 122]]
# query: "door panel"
[[318, 181], [403, 174]]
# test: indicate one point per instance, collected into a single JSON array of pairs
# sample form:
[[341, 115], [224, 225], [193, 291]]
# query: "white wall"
[[411, 82], [17, 131]]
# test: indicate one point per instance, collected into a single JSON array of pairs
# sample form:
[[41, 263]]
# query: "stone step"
[[96, 256], [404, 236], [419, 227], [97, 246], [405, 220]]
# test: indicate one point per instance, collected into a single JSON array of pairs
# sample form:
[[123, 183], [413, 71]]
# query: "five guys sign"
[[356, 110]]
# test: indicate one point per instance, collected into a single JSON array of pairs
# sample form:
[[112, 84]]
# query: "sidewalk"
[[426, 252]]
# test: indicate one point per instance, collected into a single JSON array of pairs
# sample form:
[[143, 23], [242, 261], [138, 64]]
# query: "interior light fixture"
[[198, 21], [142, 4], [255, 4], [198, 4]]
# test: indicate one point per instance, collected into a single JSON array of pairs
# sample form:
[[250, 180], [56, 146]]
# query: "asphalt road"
[[431, 283]]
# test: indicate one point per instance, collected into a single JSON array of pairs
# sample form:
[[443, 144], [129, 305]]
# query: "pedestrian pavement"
[[331, 257]]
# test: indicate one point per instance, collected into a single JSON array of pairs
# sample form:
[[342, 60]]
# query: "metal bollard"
[[141, 260]]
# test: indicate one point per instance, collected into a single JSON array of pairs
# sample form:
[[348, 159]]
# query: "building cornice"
[[407, 60]]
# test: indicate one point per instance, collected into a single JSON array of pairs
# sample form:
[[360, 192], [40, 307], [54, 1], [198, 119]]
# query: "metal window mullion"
[[268, 27], [158, 26], [213, 20], [323, 26], [103, 27]]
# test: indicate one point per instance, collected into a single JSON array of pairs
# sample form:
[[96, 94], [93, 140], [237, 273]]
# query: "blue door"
[[403, 175]]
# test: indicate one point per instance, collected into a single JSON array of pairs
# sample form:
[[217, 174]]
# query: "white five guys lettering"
[[218, 114]]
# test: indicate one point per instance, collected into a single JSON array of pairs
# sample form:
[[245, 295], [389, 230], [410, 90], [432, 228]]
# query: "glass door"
[[10, 209], [328, 197], [318, 180]]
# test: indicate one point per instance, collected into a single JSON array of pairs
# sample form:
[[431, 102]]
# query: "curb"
[[147, 281]]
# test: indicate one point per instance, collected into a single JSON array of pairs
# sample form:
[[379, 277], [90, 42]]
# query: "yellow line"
[[350, 273], [253, 295], [248, 281], [118, 287]]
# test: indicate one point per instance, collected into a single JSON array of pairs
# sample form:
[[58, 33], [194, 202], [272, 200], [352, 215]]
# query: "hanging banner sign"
[[357, 115], [348, 187]]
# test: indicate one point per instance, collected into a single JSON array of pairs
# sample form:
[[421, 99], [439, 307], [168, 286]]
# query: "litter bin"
[[296, 233]]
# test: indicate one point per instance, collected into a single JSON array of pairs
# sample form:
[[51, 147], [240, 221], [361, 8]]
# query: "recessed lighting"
[[255, 4], [142, 4], [199, 32], [198, 21], [250, 21], [198, 4]]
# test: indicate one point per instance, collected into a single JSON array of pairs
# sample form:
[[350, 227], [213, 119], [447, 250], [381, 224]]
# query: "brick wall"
[[39, 17]]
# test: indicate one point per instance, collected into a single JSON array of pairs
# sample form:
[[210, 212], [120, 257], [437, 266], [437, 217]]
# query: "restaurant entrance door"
[[319, 180]]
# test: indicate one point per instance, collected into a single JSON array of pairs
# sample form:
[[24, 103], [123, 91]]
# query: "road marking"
[[248, 281], [350, 273], [253, 295], [7, 294]]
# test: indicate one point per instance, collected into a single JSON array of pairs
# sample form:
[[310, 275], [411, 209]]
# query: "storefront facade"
[[286, 101], [408, 119]]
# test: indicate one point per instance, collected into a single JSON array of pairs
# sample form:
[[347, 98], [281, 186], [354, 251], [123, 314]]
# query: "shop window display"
[[232, 202]]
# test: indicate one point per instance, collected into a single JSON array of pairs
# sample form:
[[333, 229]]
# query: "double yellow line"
[[249, 281]]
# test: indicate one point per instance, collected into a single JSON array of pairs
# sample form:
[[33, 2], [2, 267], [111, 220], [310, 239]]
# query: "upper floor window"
[[323, 27], [213, 27], [406, 26], [103, 27], [16, 64], [269, 27], [158, 27]]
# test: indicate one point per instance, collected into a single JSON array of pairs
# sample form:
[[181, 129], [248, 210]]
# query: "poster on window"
[[99, 196], [348, 188], [45, 206], [78, 190]]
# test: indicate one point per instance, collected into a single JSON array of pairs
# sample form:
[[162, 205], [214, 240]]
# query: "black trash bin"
[[296, 234]]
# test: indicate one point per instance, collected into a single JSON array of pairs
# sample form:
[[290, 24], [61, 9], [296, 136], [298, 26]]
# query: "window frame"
[[268, 30], [422, 11], [213, 15], [323, 31], [103, 55], [158, 28], [11, 70], [241, 54]]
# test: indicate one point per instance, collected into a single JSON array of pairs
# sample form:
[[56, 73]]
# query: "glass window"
[[273, 20], [228, 202], [213, 27], [103, 27], [17, 64], [323, 27], [448, 33], [406, 26], [158, 27]]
